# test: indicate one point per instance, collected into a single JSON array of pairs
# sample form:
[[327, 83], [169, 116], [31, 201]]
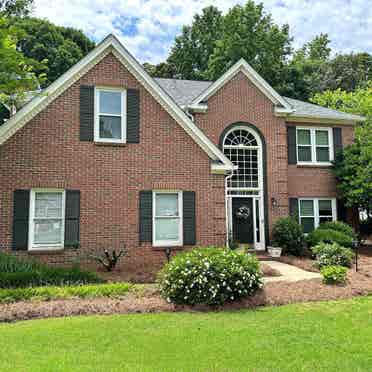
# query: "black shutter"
[[72, 219], [21, 212], [291, 143], [293, 208], [145, 216], [341, 211], [337, 140], [189, 218], [133, 116], [86, 113]]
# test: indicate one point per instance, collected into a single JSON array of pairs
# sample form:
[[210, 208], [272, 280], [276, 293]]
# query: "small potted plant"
[[274, 252]]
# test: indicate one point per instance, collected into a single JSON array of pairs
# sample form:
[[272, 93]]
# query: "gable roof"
[[113, 45], [184, 92], [253, 76]]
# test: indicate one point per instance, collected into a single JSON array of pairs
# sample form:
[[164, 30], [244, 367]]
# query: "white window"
[[314, 146], [313, 212], [47, 219], [167, 218], [110, 121]]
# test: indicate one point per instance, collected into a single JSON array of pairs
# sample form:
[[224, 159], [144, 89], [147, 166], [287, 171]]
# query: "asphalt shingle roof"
[[307, 109], [185, 91]]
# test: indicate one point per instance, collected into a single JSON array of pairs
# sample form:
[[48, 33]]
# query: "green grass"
[[328, 336], [53, 292]]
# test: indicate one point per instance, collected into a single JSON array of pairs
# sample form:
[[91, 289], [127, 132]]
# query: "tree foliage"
[[353, 168], [17, 72], [61, 47], [17, 8], [214, 42], [303, 73], [249, 33]]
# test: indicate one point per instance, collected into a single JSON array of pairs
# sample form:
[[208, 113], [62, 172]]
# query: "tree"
[[18, 8], [190, 54], [61, 47], [353, 167], [249, 33], [303, 76], [346, 71], [17, 75]]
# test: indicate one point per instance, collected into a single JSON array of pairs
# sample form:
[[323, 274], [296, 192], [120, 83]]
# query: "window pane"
[[304, 153], [322, 154], [167, 229], [48, 205], [325, 208], [166, 205], [307, 224], [321, 137], [110, 102], [110, 127], [325, 219], [303, 137], [48, 232], [306, 208]]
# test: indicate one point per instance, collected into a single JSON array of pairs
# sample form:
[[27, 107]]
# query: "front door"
[[242, 219]]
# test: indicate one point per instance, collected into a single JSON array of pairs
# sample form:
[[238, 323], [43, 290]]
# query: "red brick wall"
[[307, 181], [240, 101], [47, 153]]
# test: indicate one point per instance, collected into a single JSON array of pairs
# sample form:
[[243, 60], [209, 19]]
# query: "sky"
[[148, 27]]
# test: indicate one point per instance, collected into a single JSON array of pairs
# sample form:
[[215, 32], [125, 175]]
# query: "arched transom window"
[[242, 147]]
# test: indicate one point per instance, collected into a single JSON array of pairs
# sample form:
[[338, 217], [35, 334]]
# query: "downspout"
[[227, 178]]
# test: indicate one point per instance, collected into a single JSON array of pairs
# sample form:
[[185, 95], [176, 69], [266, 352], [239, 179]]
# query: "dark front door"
[[242, 219]]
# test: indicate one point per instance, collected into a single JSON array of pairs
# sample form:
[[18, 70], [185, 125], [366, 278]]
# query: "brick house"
[[108, 154]]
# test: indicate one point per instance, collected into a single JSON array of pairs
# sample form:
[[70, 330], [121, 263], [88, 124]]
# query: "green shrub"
[[333, 255], [288, 234], [12, 264], [209, 276], [334, 274], [339, 226], [15, 272], [52, 293], [329, 236]]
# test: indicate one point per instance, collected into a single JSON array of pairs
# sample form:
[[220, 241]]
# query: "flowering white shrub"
[[333, 255], [209, 276]]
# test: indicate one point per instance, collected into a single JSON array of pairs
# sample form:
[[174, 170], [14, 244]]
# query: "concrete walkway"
[[289, 273]]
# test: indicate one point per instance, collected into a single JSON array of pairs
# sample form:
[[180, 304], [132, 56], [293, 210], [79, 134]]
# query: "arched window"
[[243, 147]]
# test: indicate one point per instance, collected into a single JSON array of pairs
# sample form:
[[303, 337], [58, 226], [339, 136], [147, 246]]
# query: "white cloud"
[[148, 27]]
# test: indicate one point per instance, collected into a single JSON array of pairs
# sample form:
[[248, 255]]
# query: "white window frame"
[[97, 114], [313, 146], [167, 243], [316, 210], [47, 246]]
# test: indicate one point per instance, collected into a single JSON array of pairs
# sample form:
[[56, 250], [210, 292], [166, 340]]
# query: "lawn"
[[327, 336]]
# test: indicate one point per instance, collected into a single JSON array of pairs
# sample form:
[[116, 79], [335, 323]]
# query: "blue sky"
[[148, 27]]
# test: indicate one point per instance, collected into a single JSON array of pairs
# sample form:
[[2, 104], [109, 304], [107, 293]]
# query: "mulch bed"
[[274, 293]]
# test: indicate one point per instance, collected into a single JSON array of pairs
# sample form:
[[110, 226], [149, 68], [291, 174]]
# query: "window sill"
[[111, 144], [314, 165], [163, 248], [52, 251]]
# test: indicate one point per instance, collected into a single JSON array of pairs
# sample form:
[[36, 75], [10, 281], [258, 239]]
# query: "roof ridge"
[[194, 81]]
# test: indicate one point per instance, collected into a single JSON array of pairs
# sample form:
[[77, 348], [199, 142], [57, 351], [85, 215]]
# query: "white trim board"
[[254, 77], [111, 44]]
